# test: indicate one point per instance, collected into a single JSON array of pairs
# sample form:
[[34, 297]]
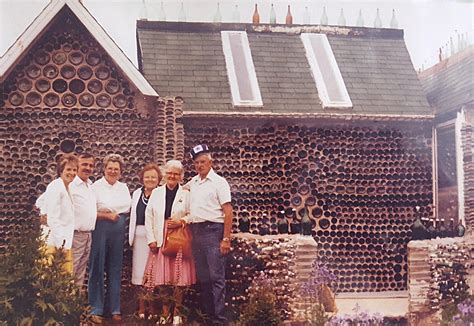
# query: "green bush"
[[261, 308], [34, 288]]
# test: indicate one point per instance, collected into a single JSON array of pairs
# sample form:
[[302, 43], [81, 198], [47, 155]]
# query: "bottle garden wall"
[[360, 183]]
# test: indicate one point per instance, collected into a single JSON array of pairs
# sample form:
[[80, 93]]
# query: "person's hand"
[[153, 247], [171, 224], [225, 246], [112, 216], [43, 219]]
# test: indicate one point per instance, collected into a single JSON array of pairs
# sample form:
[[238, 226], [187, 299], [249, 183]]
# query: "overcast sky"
[[428, 24]]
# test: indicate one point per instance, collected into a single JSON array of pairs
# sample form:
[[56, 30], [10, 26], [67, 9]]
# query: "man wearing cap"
[[211, 212]]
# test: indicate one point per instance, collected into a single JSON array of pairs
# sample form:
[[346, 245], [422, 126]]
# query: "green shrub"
[[34, 288], [261, 308]]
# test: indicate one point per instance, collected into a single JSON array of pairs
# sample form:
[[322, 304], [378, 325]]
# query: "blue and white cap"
[[198, 150]]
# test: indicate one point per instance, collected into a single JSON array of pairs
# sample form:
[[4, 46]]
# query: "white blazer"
[[155, 212], [133, 215], [57, 204]]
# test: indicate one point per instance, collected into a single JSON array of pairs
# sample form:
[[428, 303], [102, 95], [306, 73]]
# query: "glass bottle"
[[306, 16], [441, 229], [289, 17], [306, 226], [432, 232], [295, 225], [256, 16], [217, 15], [324, 17], [272, 15], [342, 20], [360, 19], [393, 21], [182, 13], [282, 223], [236, 14], [244, 222], [161, 13], [378, 21], [461, 229], [452, 229], [419, 231]]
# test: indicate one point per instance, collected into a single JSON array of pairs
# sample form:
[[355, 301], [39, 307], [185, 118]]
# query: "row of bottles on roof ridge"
[[273, 19], [301, 225], [457, 42], [424, 229]]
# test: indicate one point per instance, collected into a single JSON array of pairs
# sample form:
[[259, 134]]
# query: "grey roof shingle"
[[450, 84], [186, 59]]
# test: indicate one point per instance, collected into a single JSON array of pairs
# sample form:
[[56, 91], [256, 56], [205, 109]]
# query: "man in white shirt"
[[85, 215], [211, 213]]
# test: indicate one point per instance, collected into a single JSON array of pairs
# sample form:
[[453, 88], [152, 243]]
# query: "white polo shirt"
[[207, 197], [112, 198], [85, 209]]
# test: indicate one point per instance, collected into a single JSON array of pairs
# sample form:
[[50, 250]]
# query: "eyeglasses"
[[173, 173]]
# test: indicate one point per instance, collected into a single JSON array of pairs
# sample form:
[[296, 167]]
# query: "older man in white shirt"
[[211, 213], [85, 215]]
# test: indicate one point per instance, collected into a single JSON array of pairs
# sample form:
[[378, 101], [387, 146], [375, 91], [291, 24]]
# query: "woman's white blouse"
[[155, 212], [112, 198], [57, 204]]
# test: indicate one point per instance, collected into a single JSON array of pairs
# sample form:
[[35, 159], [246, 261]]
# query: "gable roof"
[[40, 25], [187, 59], [449, 85]]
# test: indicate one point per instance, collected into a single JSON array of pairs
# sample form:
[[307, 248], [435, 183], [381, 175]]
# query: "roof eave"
[[316, 115], [38, 26]]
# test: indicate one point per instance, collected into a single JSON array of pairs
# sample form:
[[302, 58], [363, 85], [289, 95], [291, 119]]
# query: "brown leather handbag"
[[176, 240]]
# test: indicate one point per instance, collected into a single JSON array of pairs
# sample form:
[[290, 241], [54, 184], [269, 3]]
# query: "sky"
[[427, 24]]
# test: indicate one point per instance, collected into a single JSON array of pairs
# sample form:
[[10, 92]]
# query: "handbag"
[[178, 239]]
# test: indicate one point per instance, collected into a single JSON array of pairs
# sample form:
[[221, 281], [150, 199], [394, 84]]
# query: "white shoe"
[[177, 320]]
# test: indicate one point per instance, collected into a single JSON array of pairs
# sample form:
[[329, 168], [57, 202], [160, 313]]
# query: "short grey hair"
[[174, 164], [114, 158]]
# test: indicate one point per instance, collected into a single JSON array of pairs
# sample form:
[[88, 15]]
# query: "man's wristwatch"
[[226, 239]]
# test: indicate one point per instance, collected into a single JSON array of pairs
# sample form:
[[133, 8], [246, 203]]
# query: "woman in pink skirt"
[[167, 208]]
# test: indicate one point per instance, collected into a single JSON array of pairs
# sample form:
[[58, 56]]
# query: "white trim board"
[[325, 70], [41, 22], [232, 68]]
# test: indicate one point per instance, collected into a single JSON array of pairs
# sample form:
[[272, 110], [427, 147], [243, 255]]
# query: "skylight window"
[[240, 69], [327, 76]]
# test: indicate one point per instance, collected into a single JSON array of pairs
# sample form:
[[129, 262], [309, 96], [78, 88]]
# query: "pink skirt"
[[168, 270]]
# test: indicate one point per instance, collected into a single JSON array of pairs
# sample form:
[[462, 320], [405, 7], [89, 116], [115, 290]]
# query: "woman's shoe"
[[117, 318], [164, 320], [177, 320], [96, 319]]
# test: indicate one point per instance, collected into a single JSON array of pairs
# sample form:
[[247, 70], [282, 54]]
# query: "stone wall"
[[438, 272]]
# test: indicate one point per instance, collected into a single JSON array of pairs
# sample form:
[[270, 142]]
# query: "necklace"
[[144, 199]]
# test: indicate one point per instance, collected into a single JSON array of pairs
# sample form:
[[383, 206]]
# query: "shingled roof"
[[187, 59], [449, 85]]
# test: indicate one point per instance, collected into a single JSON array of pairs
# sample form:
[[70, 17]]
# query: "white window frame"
[[229, 61], [323, 93]]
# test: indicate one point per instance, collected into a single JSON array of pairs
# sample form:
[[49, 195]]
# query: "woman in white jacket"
[[56, 204], [150, 177], [168, 208]]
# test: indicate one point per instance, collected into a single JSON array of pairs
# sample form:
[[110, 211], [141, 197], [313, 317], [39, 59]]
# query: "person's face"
[[86, 168], [203, 165], [68, 173], [150, 179], [173, 177], [112, 172]]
